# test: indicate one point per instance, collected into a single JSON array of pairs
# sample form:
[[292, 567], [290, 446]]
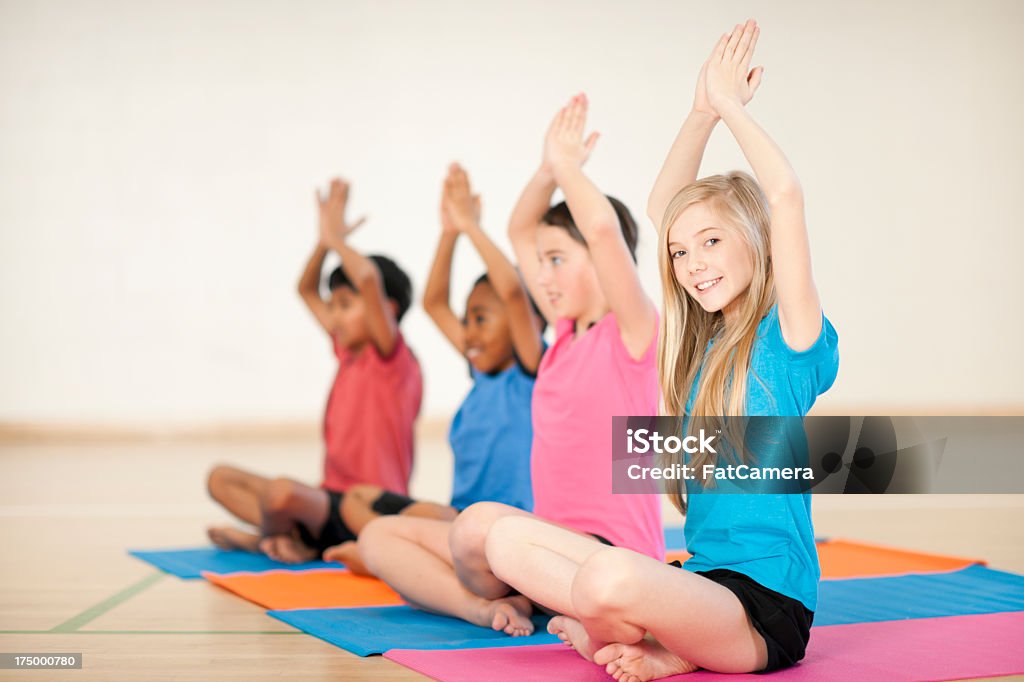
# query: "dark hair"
[[484, 279], [559, 216], [397, 285]]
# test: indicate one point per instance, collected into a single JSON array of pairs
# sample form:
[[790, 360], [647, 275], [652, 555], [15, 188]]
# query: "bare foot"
[[227, 537], [286, 549], [510, 615], [348, 554], [645, 660], [572, 632]]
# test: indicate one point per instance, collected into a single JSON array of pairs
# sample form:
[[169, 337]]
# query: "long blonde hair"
[[687, 329]]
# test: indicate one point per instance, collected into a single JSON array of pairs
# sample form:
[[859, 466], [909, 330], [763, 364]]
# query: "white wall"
[[158, 163]]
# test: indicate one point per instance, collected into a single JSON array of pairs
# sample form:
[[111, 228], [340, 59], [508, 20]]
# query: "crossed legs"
[[274, 506], [443, 567], [359, 507], [640, 618]]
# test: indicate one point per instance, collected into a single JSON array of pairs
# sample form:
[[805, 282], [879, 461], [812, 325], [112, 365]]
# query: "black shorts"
[[389, 504], [335, 531], [784, 622]]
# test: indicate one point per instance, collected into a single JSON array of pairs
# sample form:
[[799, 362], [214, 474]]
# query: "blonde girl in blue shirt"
[[742, 334]]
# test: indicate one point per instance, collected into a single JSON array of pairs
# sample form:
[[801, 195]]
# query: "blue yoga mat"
[[375, 630], [969, 591], [190, 563]]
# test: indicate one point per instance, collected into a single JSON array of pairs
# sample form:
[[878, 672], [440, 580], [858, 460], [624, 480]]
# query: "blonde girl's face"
[[566, 275], [711, 260]]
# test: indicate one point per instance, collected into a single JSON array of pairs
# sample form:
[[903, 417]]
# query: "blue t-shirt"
[[768, 537], [491, 437]]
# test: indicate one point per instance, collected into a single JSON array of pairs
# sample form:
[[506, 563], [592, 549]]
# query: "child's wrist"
[[705, 116], [728, 106], [562, 167], [544, 174]]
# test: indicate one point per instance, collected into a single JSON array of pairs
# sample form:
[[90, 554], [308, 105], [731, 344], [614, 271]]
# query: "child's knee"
[[507, 533], [470, 528], [606, 582], [505, 541], [279, 496], [218, 478], [375, 538], [364, 493], [378, 530]]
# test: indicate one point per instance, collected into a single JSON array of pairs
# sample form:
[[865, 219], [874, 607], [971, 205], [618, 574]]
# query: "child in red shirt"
[[368, 424]]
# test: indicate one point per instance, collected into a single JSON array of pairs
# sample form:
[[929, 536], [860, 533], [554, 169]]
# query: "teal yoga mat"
[[189, 563], [972, 590], [368, 631]]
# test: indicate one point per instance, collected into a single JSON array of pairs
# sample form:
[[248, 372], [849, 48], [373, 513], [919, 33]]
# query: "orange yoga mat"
[[314, 589], [850, 559], [339, 588]]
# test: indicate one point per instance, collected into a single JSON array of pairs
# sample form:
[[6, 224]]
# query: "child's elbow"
[[602, 230], [788, 193], [511, 293], [433, 305], [517, 231], [507, 289], [367, 278], [655, 209], [653, 216]]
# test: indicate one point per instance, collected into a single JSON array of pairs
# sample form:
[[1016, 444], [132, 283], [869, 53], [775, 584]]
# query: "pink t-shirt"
[[369, 419], [580, 386]]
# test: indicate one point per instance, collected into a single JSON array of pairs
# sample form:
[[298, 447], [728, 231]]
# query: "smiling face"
[[711, 260], [487, 333], [567, 275]]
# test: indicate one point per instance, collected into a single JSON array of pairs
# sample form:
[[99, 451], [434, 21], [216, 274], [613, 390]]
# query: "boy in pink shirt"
[[368, 424]]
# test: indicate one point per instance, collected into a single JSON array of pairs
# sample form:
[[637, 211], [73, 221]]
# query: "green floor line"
[[94, 612]]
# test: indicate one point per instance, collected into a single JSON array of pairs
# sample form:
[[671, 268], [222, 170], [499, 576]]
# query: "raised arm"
[[727, 83], [533, 203], [683, 161], [463, 209], [597, 221], [309, 287], [334, 231], [436, 295]]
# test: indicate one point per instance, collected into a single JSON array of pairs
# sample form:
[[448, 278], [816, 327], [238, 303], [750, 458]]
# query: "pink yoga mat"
[[949, 648]]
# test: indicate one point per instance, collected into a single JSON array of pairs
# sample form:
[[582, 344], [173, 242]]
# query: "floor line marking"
[[97, 610]]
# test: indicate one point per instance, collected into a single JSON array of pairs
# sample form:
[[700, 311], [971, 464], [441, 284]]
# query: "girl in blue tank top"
[[742, 334]]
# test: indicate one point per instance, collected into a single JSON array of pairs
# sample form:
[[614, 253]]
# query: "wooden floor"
[[69, 511]]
